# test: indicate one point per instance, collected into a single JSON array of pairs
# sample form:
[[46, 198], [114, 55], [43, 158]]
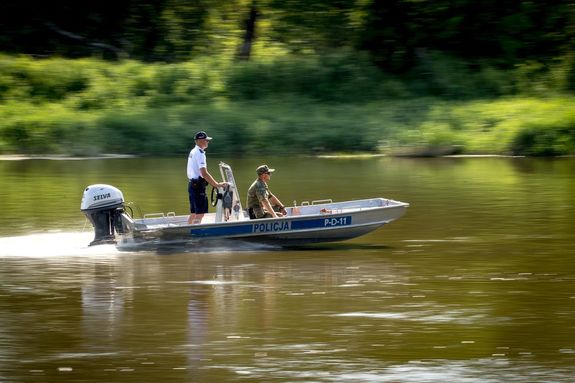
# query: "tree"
[[245, 49], [388, 35], [501, 32]]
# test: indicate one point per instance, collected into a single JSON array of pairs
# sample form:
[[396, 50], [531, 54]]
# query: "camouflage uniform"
[[257, 192]]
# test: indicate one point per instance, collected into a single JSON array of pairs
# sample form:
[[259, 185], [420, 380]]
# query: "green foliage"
[[496, 76], [332, 103], [51, 128], [447, 76], [338, 77], [393, 32], [42, 81], [518, 126], [545, 141]]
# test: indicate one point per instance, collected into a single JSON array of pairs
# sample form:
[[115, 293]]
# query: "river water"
[[476, 283]]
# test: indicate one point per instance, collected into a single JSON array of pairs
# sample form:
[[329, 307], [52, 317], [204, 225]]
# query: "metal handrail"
[[154, 215], [320, 201]]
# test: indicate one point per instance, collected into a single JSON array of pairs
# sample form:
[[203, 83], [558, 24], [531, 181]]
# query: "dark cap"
[[202, 136], [264, 169]]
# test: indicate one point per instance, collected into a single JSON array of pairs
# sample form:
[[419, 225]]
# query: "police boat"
[[308, 222]]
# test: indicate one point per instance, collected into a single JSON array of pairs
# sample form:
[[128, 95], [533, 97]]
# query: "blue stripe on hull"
[[271, 226]]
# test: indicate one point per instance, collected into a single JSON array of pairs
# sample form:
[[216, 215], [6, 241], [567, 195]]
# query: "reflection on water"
[[474, 284]]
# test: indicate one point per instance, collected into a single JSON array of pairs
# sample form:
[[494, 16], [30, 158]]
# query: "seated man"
[[261, 201]]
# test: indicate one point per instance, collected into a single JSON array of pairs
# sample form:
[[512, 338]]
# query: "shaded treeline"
[[397, 34]]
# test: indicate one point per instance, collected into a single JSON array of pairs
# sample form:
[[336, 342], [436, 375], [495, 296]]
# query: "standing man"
[[261, 201], [199, 178]]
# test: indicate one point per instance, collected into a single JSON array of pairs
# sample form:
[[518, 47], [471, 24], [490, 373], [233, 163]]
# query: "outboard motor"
[[103, 206]]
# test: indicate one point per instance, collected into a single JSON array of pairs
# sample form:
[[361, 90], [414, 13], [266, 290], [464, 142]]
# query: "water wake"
[[76, 244], [60, 244]]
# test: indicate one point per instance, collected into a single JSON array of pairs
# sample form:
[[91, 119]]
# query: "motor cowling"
[[103, 206]]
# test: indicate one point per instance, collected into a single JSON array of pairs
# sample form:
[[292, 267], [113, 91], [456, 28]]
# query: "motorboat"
[[307, 222]]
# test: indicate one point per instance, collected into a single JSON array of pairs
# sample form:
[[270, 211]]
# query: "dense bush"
[[331, 78]]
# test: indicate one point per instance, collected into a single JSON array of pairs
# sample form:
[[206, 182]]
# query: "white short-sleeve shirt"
[[196, 161]]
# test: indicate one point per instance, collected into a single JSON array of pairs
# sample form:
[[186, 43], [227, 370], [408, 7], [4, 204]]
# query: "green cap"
[[264, 169]]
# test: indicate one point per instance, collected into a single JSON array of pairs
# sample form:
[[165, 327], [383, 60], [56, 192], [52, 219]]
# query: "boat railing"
[[327, 206], [160, 215], [316, 202], [159, 218], [321, 201]]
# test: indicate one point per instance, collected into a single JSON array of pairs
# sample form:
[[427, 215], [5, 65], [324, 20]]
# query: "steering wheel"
[[214, 201]]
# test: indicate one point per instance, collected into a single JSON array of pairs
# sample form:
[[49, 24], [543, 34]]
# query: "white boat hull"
[[324, 223]]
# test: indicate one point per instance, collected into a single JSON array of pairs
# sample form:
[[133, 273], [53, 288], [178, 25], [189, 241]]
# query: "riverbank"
[[415, 154], [21, 157], [413, 127], [84, 108]]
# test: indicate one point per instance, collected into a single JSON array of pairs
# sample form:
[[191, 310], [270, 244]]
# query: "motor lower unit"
[[103, 205]]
